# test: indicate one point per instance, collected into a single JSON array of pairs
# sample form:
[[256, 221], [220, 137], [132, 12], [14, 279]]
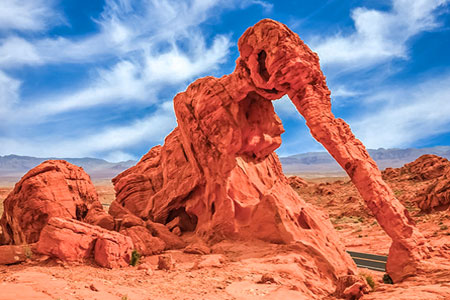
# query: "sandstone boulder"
[[71, 240], [12, 254], [55, 188], [143, 241], [160, 231]]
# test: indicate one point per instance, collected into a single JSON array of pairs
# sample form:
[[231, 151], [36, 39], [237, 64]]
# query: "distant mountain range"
[[12, 167], [322, 162]]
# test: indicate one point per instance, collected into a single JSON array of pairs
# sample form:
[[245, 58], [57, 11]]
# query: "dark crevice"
[[184, 152], [262, 65], [187, 222], [302, 220], [81, 212], [272, 91], [213, 208]]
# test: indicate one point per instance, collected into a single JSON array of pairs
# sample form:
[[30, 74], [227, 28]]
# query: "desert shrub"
[[398, 193], [370, 281], [135, 257], [444, 227], [28, 251], [387, 279]]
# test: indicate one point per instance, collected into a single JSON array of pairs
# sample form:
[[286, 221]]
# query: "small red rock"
[[159, 230], [10, 254], [197, 248], [165, 262]]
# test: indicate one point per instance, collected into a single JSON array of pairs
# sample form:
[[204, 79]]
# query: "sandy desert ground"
[[234, 269]]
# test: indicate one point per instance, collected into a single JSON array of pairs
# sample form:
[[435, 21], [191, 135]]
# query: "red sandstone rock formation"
[[12, 254], [55, 188], [437, 195], [71, 240], [424, 168], [432, 170], [297, 182], [217, 170]]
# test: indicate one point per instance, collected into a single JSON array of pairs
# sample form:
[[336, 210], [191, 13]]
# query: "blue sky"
[[96, 78]]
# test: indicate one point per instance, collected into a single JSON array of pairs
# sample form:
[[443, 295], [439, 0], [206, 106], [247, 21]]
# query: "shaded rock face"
[[432, 169], [217, 169], [55, 188]]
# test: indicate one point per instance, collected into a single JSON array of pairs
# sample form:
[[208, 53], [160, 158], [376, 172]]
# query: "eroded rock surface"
[[424, 168], [217, 169], [55, 188], [297, 182], [12, 254], [432, 170], [71, 240]]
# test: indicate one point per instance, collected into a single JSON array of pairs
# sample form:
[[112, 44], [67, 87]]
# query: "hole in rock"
[[81, 212], [262, 65], [303, 220], [213, 208], [187, 222]]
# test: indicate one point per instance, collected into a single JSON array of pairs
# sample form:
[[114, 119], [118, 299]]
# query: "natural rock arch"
[[217, 171]]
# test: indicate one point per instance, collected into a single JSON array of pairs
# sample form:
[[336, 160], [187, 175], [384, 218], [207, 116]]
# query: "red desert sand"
[[210, 214]]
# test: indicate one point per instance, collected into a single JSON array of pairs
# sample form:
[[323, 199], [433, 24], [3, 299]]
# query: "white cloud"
[[118, 156], [379, 36], [124, 29], [27, 15], [141, 48], [407, 114], [130, 81], [267, 6], [342, 91], [110, 142], [9, 93], [135, 36], [285, 109], [17, 51]]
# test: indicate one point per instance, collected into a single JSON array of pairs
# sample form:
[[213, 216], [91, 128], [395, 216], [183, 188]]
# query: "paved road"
[[369, 261]]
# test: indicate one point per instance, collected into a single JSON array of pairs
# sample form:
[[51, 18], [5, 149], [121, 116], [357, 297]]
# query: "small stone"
[[213, 260], [176, 231], [197, 248], [93, 288], [267, 278], [165, 262]]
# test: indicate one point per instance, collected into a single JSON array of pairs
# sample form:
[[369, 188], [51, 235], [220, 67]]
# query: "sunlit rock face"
[[55, 188], [217, 173]]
